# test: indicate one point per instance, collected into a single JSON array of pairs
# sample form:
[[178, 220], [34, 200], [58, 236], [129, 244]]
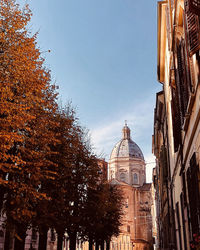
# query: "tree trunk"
[[97, 245], [43, 238], [60, 241], [19, 243], [102, 245], [20, 240], [9, 239], [107, 245], [2, 194], [72, 241], [90, 244]]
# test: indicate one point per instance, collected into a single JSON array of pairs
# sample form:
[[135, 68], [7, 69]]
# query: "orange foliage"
[[27, 104]]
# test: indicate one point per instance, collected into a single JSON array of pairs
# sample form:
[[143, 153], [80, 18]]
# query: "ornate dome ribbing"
[[126, 147]]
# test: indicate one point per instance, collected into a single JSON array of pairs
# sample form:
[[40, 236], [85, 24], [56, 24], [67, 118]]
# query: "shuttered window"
[[179, 226], [184, 188], [183, 220], [194, 195], [192, 27], [182, 80], [194, 6], [163, 161], [176, 119]]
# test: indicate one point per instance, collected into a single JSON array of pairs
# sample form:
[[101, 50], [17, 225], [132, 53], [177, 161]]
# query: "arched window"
[[126, 203], [135, 179], [122, 177]]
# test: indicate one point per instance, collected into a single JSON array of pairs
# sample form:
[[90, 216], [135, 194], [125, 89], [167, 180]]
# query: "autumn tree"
[[75, 170], [27, 100], [48, 212], [78, 170], [47, 168], [45, 143], [102, 214]]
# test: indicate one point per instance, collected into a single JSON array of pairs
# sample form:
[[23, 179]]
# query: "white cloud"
[[140, 120]]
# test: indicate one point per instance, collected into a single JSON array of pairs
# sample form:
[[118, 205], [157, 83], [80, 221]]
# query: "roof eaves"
[[161, 40]]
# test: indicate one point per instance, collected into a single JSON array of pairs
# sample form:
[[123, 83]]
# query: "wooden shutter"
[[192, 28], [194, 6], [194, 194], [179, 225], [179, 88], [182, 79], [183, 219], [176, 119], [188, 61], [186, 80], [163, 161]]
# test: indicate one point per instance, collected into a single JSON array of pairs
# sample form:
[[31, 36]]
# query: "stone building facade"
[[176, 140], [127, 169]]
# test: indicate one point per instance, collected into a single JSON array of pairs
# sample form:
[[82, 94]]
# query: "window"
[[176, 114], [126, 203], [128, 229], [183, 81], [179, 226], [194, 194], [135, 179], [183, 219], [122, 177], [192, 26]]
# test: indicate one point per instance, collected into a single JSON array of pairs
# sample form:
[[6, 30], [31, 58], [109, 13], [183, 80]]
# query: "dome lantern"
[[126, 132]]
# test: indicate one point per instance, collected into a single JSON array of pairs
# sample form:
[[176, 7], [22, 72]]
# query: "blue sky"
[[103, 58]]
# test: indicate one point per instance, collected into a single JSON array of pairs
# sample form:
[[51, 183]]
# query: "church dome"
[[126, 147]]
